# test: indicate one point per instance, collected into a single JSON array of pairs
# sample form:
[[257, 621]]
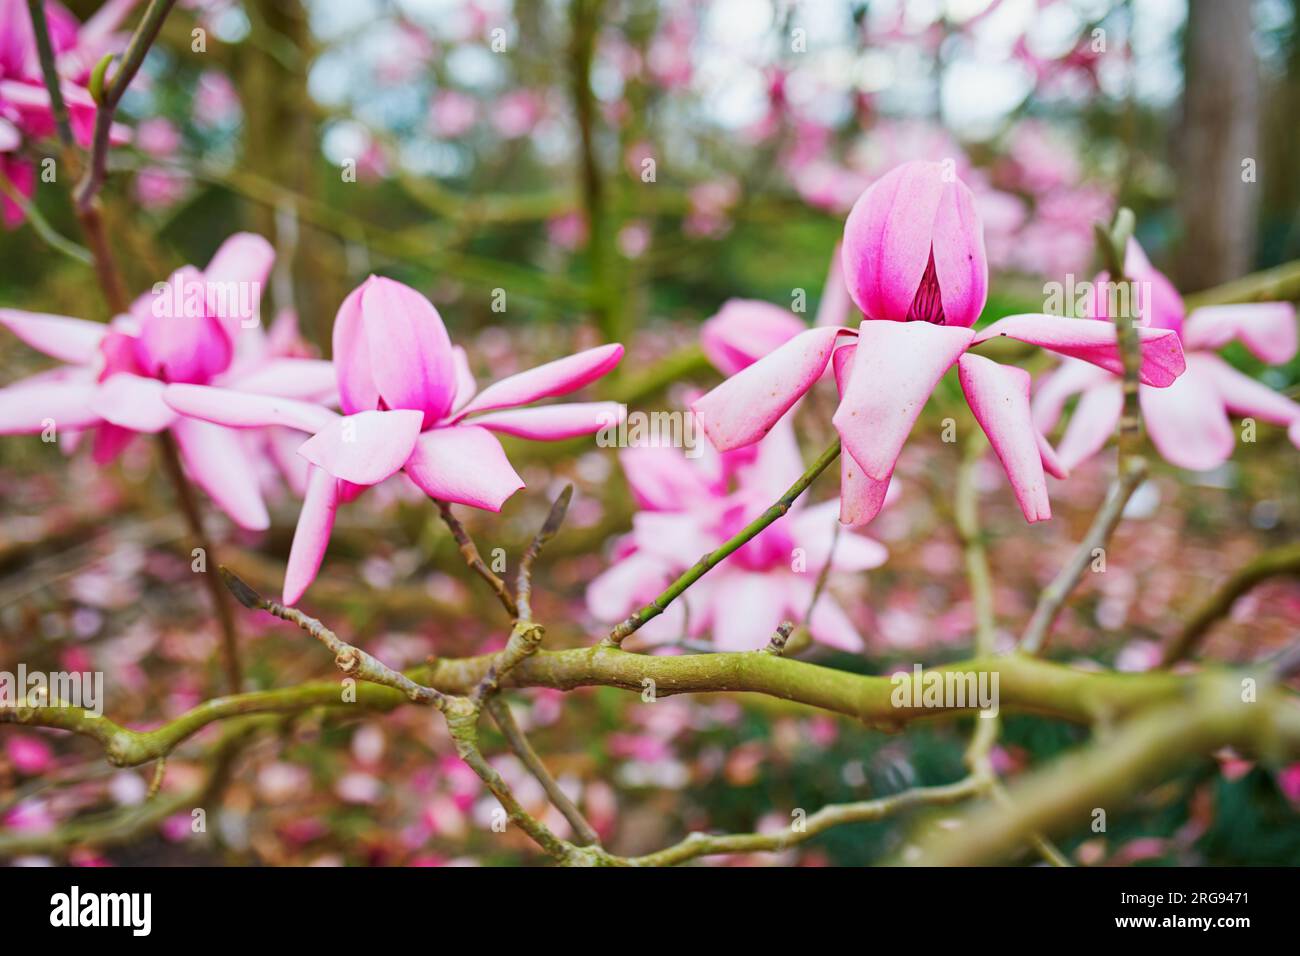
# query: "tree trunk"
[[1217, 195]]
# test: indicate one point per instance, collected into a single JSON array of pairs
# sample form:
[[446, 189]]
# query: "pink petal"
[[960, 263], [813, 529], [312, 536], [357, 390], [25, 409], [463, 464], [236, 274], [629, 583], [367, 447], [409, 350], [887, 239], [553, 422], [224, 406], [897, 366], [310, 379], [61, 337], [554, 378], [217, 462], [999, 397], [1094, 341], [749, 609], [829, 625], [1242, 394], [1268, 329], [133, 402], [1188, 423], [1052, 463], [1053, 390], [662, 479], [110, 441], [1094, 421], [743, 331], [744, 408], [861, 497]]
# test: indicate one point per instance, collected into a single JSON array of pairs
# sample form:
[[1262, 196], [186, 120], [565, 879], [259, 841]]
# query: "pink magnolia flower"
[[407, 396], [1188, 421], [914, 262], [689, 508], [191, 328]]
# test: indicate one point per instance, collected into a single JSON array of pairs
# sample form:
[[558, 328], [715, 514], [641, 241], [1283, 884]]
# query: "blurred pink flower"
[[516, 113], [913, 257], [452, 114], [689, 508], [215, 101], [29, 755], [406, 394], [194, 328], [1188, 421]]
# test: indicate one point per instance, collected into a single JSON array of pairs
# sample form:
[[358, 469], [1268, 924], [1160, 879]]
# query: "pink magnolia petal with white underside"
[[887, 239], [999, 397], [626, 585], [546, 381], [1093, 423], [1094, 341], [1242, 394], [661, 479], [28, 409], [308, 379], [747, 609], [743, 331], [236, 409], [410, 351], [960, 263], [312, 536], [58, 336], [1268, 329], [814, 530], [1053, 390], [217, 462], [552, 422], [235, 276], [134, 402], [861, 497], [896, 367], [1052, 463], [744, 408], [367, 447], [463, 464], [1188, 423]]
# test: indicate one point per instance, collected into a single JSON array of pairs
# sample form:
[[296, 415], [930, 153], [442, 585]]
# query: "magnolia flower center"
[[927, 306]]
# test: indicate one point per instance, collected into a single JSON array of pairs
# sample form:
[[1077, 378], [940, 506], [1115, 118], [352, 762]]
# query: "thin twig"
[[50, 70], [350, 660], [1058, 592], [524, 582], [518, 742], [475, 561], [702, 567], [1273, 563]]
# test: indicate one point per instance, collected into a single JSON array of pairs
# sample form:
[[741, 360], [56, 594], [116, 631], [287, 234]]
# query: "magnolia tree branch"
[[518, 742], [524, 582], [702, 567], [1063, 796]]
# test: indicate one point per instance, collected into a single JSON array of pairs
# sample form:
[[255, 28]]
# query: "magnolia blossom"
[[1188, 422], [409, 404], [914, 263], [198, 327], [688, 508]]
